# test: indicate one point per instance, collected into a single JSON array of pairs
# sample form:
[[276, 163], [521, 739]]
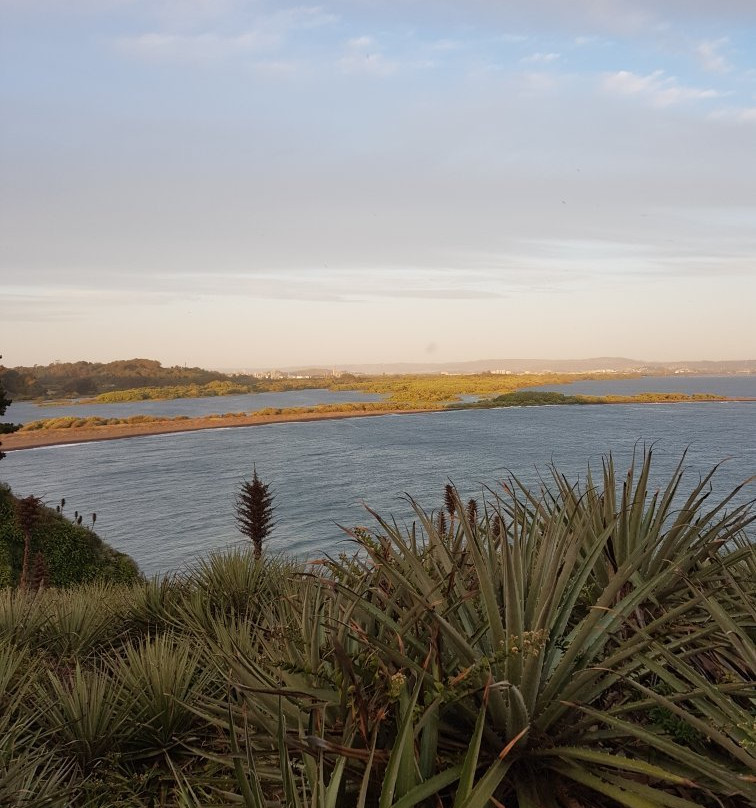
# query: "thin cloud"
[[541, 58], [268, 33], [658, 88], [535, 83], [362, 55], [735, 114], [710, 56], [196, 47]]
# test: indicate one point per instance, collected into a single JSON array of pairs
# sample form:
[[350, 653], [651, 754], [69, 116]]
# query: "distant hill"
[[86, 379], [610, 364], [90, 378]]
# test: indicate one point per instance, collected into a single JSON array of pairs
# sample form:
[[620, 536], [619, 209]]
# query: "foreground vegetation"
[[574, 647]]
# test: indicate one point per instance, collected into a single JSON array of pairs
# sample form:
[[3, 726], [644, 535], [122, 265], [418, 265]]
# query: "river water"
[[167, 499], [25, 411]]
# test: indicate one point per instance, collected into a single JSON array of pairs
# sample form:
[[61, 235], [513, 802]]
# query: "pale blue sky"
[[235, 183]]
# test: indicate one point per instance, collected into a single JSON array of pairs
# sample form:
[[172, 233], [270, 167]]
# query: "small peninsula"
[[59, 431]]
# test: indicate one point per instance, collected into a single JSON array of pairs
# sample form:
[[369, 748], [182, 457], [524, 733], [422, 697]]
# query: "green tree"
[[254, 511], [5, 428]]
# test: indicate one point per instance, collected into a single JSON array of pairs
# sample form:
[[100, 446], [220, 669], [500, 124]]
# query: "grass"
[[571, 647]]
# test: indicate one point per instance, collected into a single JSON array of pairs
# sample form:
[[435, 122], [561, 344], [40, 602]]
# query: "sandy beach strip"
[[36, 438]]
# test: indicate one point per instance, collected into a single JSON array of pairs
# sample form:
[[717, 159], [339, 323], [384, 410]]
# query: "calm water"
[[166, 499], [741, 386], [25, 411]]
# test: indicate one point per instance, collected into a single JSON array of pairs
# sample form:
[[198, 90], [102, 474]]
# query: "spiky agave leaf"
[[525, 608], [22, 616], [150, 606], [683, 530], [34, 780], [83, 713], [235, 581], [82, 619], [158, 682]]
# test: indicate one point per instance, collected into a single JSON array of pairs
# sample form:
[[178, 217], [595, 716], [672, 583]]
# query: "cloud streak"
[[284, 170], [657, 88], [710, 55]]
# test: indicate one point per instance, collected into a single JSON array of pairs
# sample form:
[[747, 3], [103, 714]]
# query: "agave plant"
[[685, 532], [150, 606], [33, 780], [556, 652], [293, 689], [22, 616], [81, 620], [159, 681], [236, 581], [83, 714]]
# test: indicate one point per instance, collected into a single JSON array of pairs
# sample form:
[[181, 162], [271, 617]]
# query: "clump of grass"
[[81, 621], [160, 681]]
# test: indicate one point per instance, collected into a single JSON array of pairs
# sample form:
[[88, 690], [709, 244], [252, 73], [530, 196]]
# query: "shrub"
[[72, 553]]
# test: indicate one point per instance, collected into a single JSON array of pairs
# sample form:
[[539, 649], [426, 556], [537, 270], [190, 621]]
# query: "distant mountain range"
[[608, 364]]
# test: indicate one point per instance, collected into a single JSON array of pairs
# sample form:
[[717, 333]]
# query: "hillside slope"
[[72, 553]]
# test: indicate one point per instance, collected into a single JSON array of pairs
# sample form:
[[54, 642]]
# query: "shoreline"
[[41, 438]]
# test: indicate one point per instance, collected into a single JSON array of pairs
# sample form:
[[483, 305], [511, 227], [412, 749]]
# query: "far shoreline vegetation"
[[70, 429], [401, 394], [147, 380]]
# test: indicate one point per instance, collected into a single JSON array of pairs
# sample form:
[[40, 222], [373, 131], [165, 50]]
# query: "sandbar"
[[37, 438]]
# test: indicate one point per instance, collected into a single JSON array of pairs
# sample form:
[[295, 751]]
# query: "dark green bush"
[[73, 554]]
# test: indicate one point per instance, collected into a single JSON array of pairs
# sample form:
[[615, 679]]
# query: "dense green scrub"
[[589, 646], [443, 388], [215, 388], [72, 553], [76, 379], [535, 398], [144, 379], [522, 398]]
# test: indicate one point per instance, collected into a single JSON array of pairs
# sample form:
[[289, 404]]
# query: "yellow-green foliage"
[[348, 407], [77, 379], [652, 398], [440, 388], [522, 398], [215, 388], [71, 422], [406, 389]]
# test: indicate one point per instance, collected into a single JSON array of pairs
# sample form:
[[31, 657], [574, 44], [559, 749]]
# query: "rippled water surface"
[[169, 498]]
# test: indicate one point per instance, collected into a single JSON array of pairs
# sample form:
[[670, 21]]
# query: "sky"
[[244, 183]]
